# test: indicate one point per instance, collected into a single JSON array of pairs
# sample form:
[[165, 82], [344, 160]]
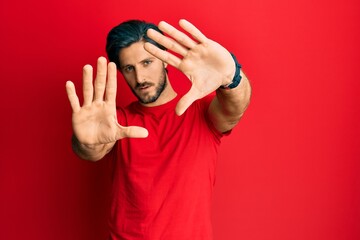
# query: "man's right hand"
[[95, 122]]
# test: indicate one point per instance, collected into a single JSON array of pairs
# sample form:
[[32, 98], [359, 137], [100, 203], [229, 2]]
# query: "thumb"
[[184, 103], [132, 132]]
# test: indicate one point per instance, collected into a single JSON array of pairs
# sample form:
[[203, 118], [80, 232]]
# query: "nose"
[[139, 75]]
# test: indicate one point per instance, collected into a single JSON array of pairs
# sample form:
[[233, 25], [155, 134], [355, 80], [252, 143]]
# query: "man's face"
[[144, 73]]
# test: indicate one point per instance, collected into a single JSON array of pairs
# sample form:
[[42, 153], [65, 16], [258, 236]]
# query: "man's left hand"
[[206, 63]]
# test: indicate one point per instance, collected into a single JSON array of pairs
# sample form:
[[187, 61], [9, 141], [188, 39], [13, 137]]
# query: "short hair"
[[127, 33]]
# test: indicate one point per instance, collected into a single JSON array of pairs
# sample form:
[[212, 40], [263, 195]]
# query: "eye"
[[128, 68], [147, 62]]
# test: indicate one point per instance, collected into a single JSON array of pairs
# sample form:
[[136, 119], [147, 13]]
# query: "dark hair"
[[127, 33]]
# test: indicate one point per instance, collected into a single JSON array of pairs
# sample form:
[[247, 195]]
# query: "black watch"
[[237, 77]]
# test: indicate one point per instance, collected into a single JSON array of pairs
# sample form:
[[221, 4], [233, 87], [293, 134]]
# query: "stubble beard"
[[159, 89]]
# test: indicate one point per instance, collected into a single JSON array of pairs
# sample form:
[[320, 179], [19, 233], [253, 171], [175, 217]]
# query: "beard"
[[148, 97]]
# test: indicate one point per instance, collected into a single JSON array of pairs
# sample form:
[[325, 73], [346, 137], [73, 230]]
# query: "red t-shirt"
[[162, 184]]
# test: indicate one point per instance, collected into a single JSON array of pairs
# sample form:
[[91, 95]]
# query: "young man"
[[164, 146]]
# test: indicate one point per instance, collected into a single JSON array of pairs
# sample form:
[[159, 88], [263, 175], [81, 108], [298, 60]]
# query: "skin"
[[95, 125], [145, 75], [206, 63]]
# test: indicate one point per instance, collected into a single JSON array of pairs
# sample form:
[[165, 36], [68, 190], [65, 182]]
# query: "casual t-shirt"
[[162, 184]]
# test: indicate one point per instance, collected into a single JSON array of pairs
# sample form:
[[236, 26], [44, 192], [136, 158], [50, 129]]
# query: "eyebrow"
[[145, 59]]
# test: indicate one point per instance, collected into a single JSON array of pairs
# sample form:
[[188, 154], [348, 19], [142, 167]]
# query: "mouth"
[[143, 87]]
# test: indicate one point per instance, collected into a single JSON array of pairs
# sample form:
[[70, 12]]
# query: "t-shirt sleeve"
[[205, 104]]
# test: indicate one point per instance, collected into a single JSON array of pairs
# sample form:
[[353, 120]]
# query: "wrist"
[[237, 77], [92, 152]]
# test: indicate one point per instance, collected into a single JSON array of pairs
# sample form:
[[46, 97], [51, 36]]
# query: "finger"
[[133, 132], [190, 28], [111, 84], [162, 55], [73, 98], [179, 36], [88, 89], [100, 79], [166, 42], [184, 103]]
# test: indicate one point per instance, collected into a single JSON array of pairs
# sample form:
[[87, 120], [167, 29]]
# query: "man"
[[164, 146]]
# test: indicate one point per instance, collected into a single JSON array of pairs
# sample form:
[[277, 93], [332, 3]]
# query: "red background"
[[290, 170]]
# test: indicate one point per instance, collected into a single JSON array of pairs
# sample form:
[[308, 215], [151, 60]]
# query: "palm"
[[95, 122], [205, 67], [206, 63]]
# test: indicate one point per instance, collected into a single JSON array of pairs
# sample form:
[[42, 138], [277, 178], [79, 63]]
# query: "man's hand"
[[206, 63], [95, 122]]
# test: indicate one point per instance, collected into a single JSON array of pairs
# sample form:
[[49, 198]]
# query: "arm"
[[229, 105], [95, 124]]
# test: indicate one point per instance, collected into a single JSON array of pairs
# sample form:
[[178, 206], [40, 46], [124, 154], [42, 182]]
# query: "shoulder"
[[204, 102], [202, 106]]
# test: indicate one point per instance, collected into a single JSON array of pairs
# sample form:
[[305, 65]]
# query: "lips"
[[143, 86]]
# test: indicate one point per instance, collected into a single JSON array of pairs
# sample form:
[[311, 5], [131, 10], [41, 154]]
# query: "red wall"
[[290, 170]]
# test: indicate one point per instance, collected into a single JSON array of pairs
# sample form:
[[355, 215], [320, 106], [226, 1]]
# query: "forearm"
[[90, 152], [233, 102], [230, 104]]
